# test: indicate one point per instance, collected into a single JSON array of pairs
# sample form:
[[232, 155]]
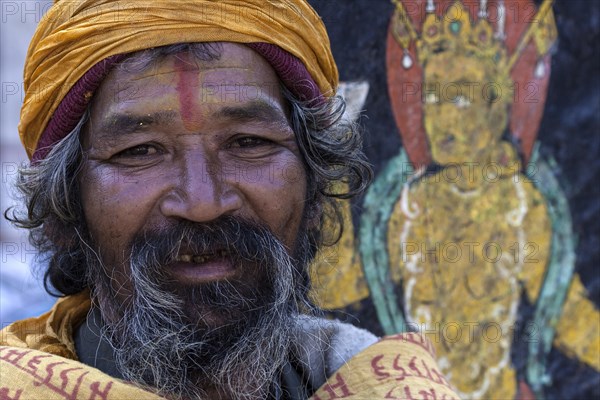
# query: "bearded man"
[[183, 157]]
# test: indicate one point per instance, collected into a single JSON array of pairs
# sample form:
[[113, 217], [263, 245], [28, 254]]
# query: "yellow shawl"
[[38, 361]]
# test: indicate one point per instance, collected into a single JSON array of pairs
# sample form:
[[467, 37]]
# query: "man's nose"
[[203, 191]]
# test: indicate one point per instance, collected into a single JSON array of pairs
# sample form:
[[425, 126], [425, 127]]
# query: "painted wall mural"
[[466, 233]]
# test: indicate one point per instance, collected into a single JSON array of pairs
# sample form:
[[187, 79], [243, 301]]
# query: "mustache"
[[241, 240], [232, 334]]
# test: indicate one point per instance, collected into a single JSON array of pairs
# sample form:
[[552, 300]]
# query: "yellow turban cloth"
[[77, 34]]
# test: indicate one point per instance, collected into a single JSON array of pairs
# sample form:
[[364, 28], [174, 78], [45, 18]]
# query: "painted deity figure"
[[471, 235], [459, 232], [464, 238]]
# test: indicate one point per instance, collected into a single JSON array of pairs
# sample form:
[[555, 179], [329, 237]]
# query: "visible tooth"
[[199, 259], [185, 258]]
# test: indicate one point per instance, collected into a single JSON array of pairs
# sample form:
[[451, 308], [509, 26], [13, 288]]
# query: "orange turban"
[[75, 35]]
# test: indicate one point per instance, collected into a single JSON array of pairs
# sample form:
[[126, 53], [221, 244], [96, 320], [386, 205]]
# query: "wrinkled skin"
[[189, 140]]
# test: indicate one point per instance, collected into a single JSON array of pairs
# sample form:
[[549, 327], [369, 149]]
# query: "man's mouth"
[[201, 258], [190, 268]]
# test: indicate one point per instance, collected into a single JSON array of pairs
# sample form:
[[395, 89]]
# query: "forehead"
[[175, 82]]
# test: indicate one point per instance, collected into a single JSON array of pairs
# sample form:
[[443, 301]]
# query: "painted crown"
[[455, 32]]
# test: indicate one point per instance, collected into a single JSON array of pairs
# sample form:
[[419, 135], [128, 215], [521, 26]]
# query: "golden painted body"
[[461, 257], [461, 240]]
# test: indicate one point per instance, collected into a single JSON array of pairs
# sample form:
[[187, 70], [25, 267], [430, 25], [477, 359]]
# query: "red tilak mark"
[[187, 85]]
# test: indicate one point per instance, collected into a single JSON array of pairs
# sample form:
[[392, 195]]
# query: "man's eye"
[[250, 141], [139, 151]]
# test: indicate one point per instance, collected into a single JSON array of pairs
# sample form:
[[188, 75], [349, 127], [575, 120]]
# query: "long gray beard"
[[158, 342]]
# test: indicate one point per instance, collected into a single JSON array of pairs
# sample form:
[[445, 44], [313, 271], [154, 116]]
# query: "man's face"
[[190, 141], [193, 192]]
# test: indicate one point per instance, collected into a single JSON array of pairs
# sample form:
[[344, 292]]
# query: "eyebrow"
[[123, 124], [254, 111]]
